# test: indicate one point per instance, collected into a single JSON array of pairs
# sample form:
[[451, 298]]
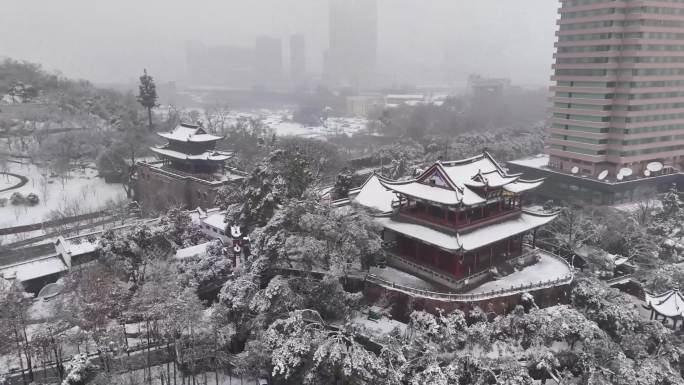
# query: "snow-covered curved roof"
[[669, 304], [424, 191], [461, 182], [520, 185], [471, 240], [189, 133], [374, 195]]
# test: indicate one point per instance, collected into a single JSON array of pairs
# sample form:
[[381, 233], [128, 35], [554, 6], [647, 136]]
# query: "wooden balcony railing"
[[429, 220]]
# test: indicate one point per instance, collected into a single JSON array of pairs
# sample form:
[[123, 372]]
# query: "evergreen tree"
[[147, 95]]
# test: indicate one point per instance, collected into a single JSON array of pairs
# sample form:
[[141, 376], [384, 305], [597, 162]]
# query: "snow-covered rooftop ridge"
[[669, 304], [189, 133], [458, 182], [216, 220], [192, 251], [471, 240], [34, 268], [207, 155]]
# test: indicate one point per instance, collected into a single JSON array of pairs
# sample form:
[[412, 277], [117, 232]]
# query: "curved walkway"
[[560, 273], [22, 181]]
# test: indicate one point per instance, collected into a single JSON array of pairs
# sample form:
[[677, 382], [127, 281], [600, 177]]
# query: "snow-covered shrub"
[[32, 199], [79, 370], [17, 198], [528, 301], [476, 315], [3, 202]]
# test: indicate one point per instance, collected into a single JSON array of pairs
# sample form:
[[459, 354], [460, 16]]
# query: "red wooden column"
[[435, 257]]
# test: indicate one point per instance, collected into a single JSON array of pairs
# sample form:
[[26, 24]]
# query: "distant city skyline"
[[418, 42]]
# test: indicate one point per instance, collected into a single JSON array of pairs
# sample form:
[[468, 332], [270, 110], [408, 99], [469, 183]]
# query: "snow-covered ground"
[[332, 126], [281, 123], [631, 207], [82, 192], [548, 268], [7, 181]]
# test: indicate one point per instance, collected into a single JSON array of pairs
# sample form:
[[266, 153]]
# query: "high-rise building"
[[219, 65], [297, 56], [351, 56], [268, 60], [619, 91]]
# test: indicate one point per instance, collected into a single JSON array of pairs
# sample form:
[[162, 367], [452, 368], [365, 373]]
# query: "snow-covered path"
[[548, 268]]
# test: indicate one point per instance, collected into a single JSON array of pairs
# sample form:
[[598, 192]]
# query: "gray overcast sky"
[[112, 40]]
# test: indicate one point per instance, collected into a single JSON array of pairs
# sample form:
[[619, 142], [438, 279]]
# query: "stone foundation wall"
[[403, 304]]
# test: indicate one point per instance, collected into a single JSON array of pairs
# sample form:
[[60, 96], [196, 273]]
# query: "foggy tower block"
[[352, 53], [219, 65], [297, 56], [619, 86], [268, 60]]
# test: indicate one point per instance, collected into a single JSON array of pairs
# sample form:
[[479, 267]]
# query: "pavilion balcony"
[[453, 221], [473, 278]]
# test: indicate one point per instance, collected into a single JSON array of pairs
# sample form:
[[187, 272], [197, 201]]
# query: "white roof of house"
[[33, 269], [200, 213], [457, 182], [669, 304], [405, 96], [471, 240], [189, 133], [192, 251], [75, 246], [207, 155], [216, 220], [374, 195]]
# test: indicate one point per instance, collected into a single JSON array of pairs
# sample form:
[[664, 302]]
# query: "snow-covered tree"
[[671, 203], [178, 225], [292, 343], [129, 252], [311, 236], [147, 95], [210, 268], [339, 359]]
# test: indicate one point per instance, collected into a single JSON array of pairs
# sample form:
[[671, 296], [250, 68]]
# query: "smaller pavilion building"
[[667, 305], [188, 173]]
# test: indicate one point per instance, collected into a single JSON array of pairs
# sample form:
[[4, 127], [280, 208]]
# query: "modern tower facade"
[[352, 53], [297, 56], [268, 60], [619, 86]]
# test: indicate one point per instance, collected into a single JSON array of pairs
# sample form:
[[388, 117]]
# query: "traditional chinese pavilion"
[[669, 304], [189, 172], [191, 149], [457, 218]]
